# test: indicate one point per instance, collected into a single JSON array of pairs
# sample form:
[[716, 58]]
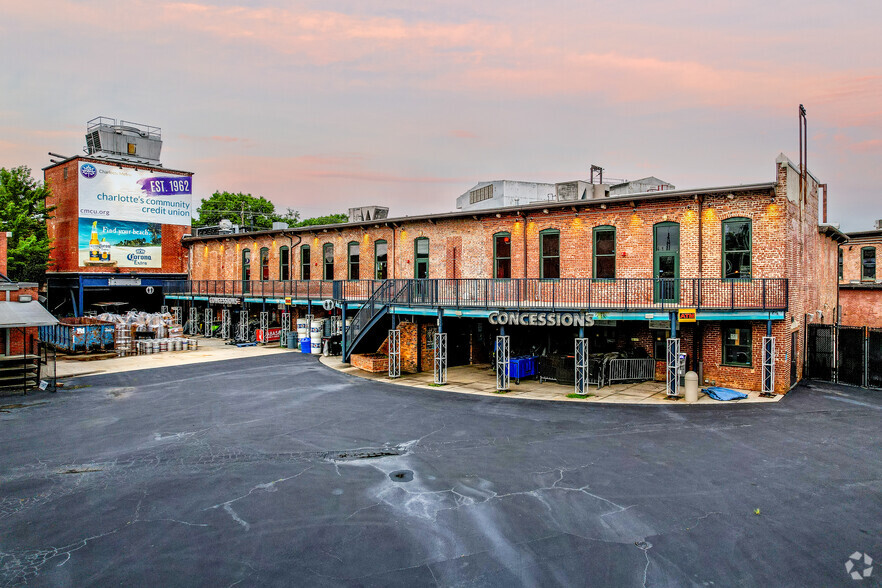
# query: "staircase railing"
[[383, 295]]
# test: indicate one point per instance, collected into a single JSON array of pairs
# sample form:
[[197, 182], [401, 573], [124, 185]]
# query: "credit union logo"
[[88, 170]]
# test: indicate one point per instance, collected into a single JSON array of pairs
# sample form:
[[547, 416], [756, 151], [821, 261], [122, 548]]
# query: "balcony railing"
[[623, 294], [297, 289]]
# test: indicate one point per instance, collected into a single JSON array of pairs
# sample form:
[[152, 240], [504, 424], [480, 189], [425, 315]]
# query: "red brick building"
[[113, 188], [21, 315], [860, 280], [751, 260]]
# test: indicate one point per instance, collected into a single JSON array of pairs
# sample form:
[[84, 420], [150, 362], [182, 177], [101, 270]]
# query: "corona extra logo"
[[88, 170]]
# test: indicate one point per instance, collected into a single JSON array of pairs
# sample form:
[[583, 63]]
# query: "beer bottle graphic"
[[94, 246], [104, 249]]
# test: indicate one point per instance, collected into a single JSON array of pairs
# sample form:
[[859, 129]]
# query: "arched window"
[[305, 264], [328, 261], [549, 254], [380, 259], [284, 264], [264, 263], [353, 257], [868, 263], [737, 244], [421, 258], [502, 256], [246, 265], [604, 252]]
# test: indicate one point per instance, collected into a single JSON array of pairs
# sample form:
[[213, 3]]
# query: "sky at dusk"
[[320, 106]]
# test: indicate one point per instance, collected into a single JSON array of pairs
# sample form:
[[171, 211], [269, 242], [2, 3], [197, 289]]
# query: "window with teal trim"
[[305, 263], [328, 261], [737, 244], [737, 348], [549, 254], [868, 263], [502, 256], [605, 253]]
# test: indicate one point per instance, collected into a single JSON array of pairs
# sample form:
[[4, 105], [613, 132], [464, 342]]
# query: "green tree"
[[330, 219], [23, 213], [243, 209]]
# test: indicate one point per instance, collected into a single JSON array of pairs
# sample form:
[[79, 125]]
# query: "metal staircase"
[[371, 312]]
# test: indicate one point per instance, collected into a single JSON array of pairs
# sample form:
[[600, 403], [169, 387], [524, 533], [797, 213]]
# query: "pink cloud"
[[462, 134]]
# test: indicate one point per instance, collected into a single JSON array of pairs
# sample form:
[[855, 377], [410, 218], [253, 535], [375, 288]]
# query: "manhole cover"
[[401, 476]]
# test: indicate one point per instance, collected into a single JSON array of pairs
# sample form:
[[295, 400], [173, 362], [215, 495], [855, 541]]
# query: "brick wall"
[[851, 257], [63, 227], [861, 307], [786, 244]]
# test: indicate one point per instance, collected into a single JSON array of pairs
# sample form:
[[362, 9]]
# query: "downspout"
[[525, 249], [699, 328]]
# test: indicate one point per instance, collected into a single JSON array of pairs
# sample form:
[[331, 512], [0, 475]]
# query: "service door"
[[666, 262]]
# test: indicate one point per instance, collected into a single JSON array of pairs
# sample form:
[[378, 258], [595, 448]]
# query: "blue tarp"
[[720, 393]]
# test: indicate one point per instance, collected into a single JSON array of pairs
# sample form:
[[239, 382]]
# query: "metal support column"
[[286, 328], [503, 368], [243, 325], [343, 336], [264, 324], [394, 353], [672, 377], [581, 366], [194, 320], [226, 323], [209, 321], [176, 312], [79, 311], [768, 366], [440, 358]]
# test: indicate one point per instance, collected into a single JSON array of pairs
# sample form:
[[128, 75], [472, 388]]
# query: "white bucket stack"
[[315, 336]]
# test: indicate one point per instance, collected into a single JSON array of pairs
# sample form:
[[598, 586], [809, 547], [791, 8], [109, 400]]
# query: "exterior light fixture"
[[603, 206], [498, 215], [730, 196], [545, 210]]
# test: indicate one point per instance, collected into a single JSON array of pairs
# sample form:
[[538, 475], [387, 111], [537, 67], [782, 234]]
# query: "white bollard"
[[691, 387]]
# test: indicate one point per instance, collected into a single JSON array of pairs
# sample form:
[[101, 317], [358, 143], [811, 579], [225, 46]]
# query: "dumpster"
[[522, 367], [79, 334]]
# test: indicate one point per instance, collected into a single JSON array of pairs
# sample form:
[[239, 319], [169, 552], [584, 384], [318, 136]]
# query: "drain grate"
[[401, 476]]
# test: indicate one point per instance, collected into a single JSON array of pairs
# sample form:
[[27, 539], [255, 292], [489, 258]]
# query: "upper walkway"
[[621, 294]]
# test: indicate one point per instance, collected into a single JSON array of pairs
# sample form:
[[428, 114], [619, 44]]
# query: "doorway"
[[666, 262]]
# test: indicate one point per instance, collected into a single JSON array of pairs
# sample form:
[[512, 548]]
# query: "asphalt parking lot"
[[278, 471]]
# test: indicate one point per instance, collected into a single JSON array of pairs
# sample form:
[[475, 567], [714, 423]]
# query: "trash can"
[[292, 340], [691, 387]]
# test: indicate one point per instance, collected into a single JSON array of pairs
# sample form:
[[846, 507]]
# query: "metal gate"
[[852, 357], [874, 358], [821, 360], [847, 355]]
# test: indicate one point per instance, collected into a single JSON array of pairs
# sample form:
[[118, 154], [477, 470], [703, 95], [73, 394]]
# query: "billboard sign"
[[126, 194], [115, 243]]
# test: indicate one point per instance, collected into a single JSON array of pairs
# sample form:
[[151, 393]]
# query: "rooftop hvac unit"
[[879, 224], [225, 227]]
